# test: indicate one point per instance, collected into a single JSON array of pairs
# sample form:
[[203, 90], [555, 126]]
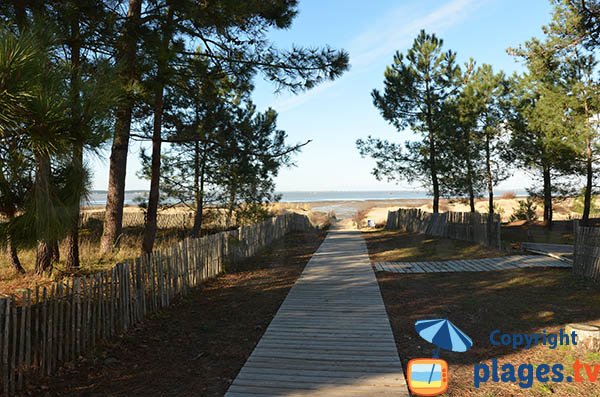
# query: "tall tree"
[[34, 114], [477, 141], [417, 86], [162, 64], [585, 103], [583, 21], [128, 77], [462, 143], [541, 139], [545, 129], [81, 27], [574, 33], [233, 34]]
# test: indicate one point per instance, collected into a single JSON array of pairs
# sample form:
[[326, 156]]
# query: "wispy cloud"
[[394, 31]]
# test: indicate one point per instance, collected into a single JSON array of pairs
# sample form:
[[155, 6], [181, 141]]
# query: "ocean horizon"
[[98, 197]]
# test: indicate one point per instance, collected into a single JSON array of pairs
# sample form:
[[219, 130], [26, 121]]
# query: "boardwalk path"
[[471, 265], [331, 336], [563, 252]]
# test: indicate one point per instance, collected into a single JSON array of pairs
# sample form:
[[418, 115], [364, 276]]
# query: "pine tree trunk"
[[432, 155], [547, 196], [199, 171], [72, 239], [115, 198], [470, 185], [432, 151], [154, 196], [231, 206], [470, 189], [490, 189], [20, 14], [45, 248], [14, 256], [587, 199], [12, 249], [43, 258], [55, 252]]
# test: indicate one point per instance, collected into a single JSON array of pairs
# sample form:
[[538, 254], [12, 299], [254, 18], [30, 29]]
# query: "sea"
[[98, 197]]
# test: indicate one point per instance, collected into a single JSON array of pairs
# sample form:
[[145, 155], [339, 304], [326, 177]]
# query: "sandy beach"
[[377, 210]]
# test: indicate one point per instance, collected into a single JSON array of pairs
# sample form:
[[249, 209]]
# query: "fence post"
[[69, 318]]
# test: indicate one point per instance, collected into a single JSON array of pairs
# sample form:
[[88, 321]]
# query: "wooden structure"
[[470, 265], [586, 261], [331, 336], [50, 326], [181, 220], [563, 252], [468, 226]]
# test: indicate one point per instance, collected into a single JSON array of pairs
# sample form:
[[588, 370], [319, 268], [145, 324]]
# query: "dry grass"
[[398, 246], [508, 195], [322, 220], [280, 208], [519, 301], [91, 258], [360, 217]]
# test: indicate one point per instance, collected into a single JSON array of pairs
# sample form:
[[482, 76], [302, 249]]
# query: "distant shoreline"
[[98, 198]]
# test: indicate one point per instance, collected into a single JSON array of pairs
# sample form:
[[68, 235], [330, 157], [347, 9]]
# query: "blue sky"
[[335, 114]]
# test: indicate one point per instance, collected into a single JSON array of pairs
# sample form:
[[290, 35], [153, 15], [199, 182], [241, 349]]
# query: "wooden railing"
[[468, 226], [41, 329]]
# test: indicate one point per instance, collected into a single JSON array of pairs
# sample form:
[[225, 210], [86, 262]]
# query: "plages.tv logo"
[[429, 376]]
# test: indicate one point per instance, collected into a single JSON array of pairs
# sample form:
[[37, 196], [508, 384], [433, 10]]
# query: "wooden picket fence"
[[468, 226], [41, 329], [181, 220], [586, 262]]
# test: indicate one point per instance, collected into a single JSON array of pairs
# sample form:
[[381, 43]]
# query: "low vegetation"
[[516, 301]]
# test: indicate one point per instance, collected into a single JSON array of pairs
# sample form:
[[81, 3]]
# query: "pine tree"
[[234, 35], [573, 31], [477, 141], [417, 87]]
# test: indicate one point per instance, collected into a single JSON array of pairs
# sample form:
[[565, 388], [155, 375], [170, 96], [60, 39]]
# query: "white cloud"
[[395, 31]]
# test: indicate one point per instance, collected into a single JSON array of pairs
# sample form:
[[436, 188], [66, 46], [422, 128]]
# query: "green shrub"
[[525, 211]]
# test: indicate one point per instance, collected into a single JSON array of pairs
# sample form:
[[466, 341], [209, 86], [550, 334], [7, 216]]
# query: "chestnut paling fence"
[[41, 329], [181, 220], [586, 262], [468, 226]]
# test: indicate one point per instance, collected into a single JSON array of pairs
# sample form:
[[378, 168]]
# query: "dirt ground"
[[520, 301], [196, 347], [535, 232], [393, 245]]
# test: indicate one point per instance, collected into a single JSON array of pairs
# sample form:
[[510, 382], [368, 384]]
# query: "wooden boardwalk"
[[563, 252], [471, 265], [331, 336]]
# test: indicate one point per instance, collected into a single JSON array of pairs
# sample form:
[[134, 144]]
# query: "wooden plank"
[[333, 320]]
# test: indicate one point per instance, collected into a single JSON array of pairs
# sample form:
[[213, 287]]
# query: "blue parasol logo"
[[429, 377], [444, 335]]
